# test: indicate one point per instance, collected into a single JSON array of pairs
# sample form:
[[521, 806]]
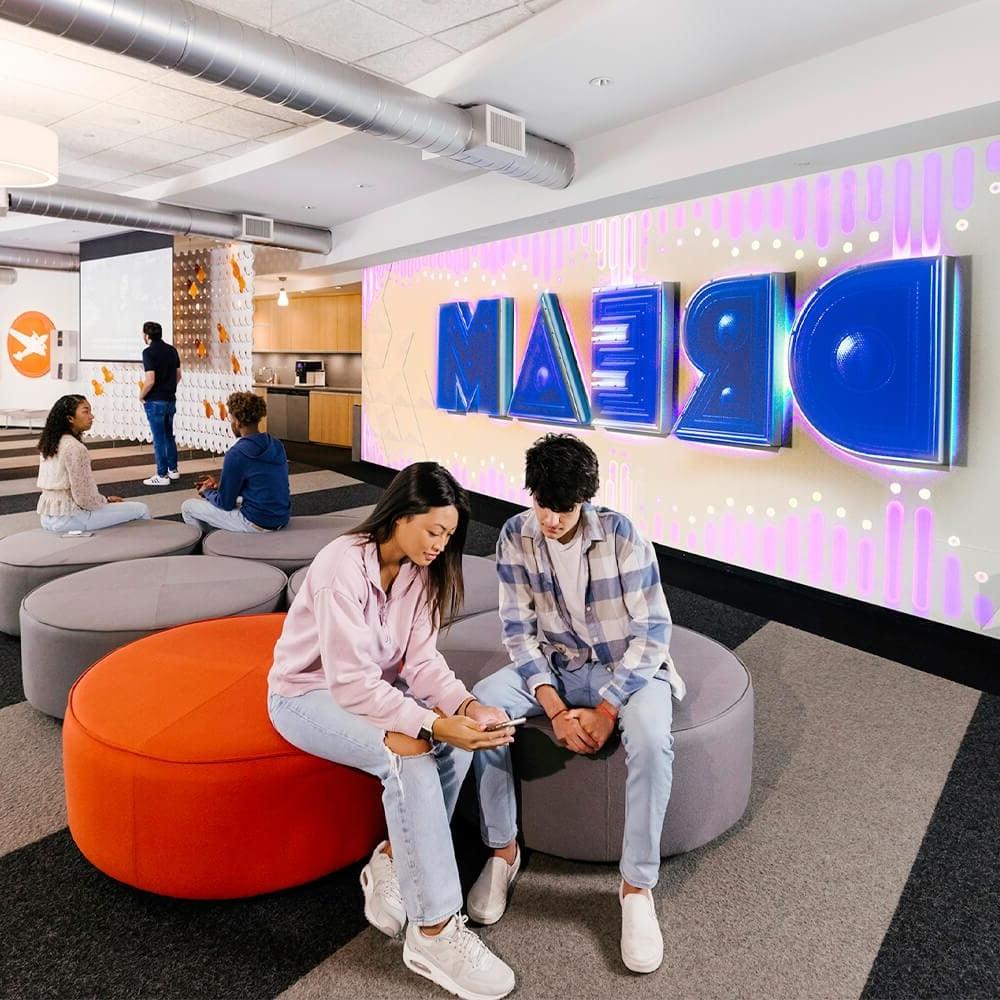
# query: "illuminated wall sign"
[[870, 359]]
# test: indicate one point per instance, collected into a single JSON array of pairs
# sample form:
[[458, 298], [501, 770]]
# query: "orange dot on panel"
[[109, 376], [208, 408]]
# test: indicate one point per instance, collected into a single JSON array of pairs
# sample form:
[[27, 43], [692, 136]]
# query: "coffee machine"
[[309, 372]]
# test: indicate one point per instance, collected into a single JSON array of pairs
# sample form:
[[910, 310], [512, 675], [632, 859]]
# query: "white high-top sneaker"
[[383, 900], [457, 960], [488, 897], [642, 940]]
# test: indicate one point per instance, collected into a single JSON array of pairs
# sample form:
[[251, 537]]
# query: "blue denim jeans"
[[204, 515], [644, 721], [160, 415], [418, 794], [93, 520]]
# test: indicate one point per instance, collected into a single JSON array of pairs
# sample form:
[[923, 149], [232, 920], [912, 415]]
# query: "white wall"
[[57, 294]]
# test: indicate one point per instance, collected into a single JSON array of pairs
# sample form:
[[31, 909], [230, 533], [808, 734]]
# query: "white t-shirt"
[[568, 564]]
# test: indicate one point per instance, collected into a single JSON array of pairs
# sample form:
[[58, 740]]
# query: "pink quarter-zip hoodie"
[[344, 634]]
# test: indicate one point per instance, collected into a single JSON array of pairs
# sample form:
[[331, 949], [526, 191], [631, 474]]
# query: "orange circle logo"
[[29, 344]]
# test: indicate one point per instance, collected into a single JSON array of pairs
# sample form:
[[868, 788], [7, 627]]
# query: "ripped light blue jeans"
[[418, 794]]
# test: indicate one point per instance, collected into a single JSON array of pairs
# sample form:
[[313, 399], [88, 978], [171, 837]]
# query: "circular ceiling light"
[[601, 81], [29, 154]]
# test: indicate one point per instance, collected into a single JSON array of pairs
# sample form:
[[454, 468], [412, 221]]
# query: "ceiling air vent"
[[504, 131], [258, 228]]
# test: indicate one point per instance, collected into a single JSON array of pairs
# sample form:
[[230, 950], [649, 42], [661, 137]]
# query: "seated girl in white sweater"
[[70, 499]]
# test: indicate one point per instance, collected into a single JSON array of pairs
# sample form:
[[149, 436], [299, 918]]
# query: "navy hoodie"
[[255, 468]]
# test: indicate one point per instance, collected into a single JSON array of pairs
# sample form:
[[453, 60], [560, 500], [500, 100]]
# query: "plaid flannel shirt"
[[626, 609]]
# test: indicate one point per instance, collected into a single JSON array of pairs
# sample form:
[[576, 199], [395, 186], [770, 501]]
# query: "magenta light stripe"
[[675, 533], [711, 539], [776, 209], [716, 217], [658, 526], [866, 566], [982, 610], [662, 220], [893, 551], [756, 210], [735, 215], [647, 219], [923, 525], [903, 206], [963, 174], [614, 243], [571, 239], [848, 195], [839, 545], [692, 541], [875, 181], [547, 251], [823, 199], [791, 547], [800, 209], [993, 156], [679, 216], [629, 263], [816, 545], [697, 209], [600, 243], [644, 253], [526, 243], [770, 547], [730, 543], [560, 259], [750, 556], [952, 598], [536, 255]]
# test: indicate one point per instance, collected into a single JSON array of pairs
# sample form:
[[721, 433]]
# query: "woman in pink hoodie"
[[357, 679]]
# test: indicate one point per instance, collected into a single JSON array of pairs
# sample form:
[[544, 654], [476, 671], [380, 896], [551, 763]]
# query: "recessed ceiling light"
[[308, 208], [364, 185], [601, 81]]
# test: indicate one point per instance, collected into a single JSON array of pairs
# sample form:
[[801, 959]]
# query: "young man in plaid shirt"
[[587, 628]]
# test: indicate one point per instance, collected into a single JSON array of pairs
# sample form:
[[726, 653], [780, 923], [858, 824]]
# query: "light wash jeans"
[[202, 514], [160, 415], [418, 794], [644, 722], [93, 520]]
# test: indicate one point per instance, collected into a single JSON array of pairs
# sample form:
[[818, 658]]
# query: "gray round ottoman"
[[574, 806], [482, 591], [294, 546], [70, 623], [30, 558]]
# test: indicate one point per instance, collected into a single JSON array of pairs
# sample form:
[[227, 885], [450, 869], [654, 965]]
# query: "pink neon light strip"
[[866, 565], [816, 545], [893, 551], [922, 553], [756, 210], [791, 547], [848, 194], [874, 193], [770, 548], [993, 156], [982, 610], [735, 215], [750, 557], [839, 546], [711, 539], [953, 601], [730, 544], [716, 213], [903, 207], [776, 209], [963, 174], [678, 216], [800, 209], [823, 198]]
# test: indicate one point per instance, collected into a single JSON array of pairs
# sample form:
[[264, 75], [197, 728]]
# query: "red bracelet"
[[552, 718], [601, 707]]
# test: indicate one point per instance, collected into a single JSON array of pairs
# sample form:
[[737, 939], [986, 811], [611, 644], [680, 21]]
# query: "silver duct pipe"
[[8, 276], [41, 260], [180, 35], [158, 217]]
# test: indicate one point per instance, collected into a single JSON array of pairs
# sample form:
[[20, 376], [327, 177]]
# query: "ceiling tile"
[[540, 5], [201, 88], [77, 141], [475, 33], [262, 107], [431, 18], [170, 170], [168, 102], [278, 136], [59, 73], [256, 12], [407, 62], [114, 116], [144, 154], [242, 148], [37, 103], [93, 171], [124, 186], [283, 10], [206, 160], [197, 138], [241, 123], [347, 31]]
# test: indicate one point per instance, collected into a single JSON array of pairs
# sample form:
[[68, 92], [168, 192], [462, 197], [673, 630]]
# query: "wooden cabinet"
[[309, 324], [331, 418]]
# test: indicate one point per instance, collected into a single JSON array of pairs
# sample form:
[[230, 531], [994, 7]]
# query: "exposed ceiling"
[[132, 128]]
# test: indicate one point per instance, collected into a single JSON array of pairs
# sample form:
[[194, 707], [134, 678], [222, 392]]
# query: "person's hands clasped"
[[470, 734], [569, 732], [597, 726], [115, 499], [205, 483]]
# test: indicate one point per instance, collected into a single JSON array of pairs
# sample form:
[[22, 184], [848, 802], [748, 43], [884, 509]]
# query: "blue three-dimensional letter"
[[475, 356]]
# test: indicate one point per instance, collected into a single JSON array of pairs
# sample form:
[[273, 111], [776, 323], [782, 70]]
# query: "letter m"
[[475, 365]]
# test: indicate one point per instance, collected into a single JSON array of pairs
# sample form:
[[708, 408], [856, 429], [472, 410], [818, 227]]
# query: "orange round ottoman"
[[177, 783]]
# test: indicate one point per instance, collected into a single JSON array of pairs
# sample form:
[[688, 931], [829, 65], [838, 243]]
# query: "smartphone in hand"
[[494, 726]]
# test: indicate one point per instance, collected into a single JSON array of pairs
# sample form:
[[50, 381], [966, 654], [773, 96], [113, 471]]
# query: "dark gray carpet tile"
[[942, 941], [719, 621], [481, 539], [70, 932], [338, 498], [30, 468], [11, 691], [30, 449]]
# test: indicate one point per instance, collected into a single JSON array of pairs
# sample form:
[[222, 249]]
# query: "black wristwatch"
[[426, 734]]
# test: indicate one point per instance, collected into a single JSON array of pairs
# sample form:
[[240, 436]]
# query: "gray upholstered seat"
[[294, 546], [70, 623], [482, 592], [573, 806], [30, 558]]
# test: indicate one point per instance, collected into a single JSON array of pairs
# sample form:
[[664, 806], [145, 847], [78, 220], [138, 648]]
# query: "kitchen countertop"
[[307, 388]]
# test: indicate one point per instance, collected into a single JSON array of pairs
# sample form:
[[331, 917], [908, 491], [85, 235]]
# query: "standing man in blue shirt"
[[586, 625], [161, 366]]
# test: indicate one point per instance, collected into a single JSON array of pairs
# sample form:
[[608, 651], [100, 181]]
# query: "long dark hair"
[[57, 423], [414, 490]]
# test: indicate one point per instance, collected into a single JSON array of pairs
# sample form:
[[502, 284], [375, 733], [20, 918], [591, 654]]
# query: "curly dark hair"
[[57, 424], [560, 471], [247, 408], [414, 490]]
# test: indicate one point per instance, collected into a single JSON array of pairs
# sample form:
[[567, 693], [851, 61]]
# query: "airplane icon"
[[36, 343]]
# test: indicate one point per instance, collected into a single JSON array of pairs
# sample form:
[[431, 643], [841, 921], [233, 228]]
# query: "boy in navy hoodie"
[[255, 468]]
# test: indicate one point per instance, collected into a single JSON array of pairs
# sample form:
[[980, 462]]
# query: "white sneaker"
[[488, 897], [156, 481], [173, 474], [457, 960], [383, 901], [642, 940]]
